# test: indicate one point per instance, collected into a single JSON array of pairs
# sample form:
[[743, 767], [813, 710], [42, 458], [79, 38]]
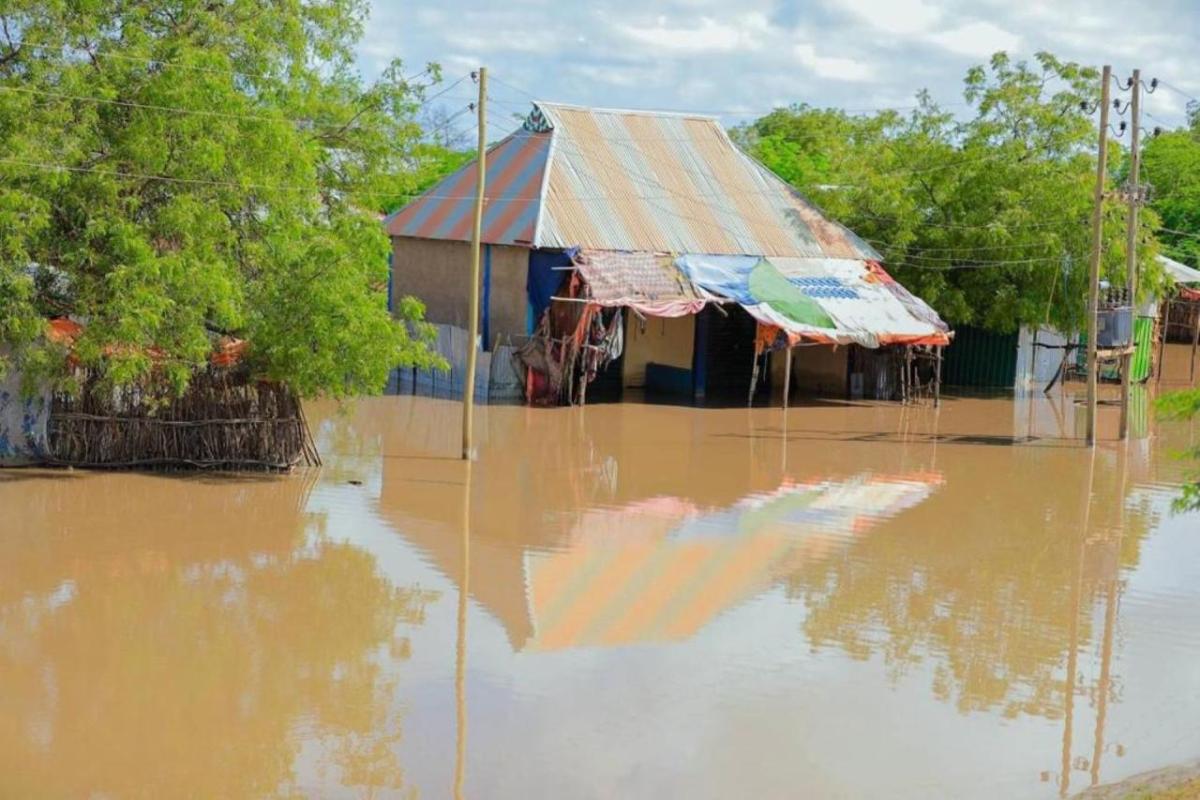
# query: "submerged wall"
[[439, 274], [664, 340], [817, 371]]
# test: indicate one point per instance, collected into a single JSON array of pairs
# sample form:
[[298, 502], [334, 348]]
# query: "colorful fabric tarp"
[[646, 282], [867, 305], [834, 301]]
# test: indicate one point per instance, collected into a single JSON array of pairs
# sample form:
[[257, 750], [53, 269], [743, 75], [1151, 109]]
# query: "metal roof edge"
[[541, 201], [645, 112], [387, 221], [787, 187]]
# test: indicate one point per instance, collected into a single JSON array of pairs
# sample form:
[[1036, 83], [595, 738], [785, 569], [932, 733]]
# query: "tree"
[[176, 170], [1171, 165], [986, 216]]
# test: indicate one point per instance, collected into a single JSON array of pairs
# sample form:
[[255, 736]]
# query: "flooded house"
[[1037, 356], [643, 250]]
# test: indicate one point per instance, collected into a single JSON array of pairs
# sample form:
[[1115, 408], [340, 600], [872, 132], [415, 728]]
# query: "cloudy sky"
[[739, 59]]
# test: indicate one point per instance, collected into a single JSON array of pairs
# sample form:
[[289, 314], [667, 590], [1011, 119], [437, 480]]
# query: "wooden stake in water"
[[476, 235]]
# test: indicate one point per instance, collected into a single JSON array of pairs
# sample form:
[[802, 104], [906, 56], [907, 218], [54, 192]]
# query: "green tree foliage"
[[175, 170], [985, 214], [1171, 165]]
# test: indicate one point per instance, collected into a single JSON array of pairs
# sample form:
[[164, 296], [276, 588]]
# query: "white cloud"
[[833, 67], [898, 17], [710, 36], [753, 54], [977, 39]]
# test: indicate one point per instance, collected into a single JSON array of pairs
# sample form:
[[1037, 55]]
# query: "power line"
[[1178, 91], [429, 100], [167, 109], [171, 64], [960, 266], [511, 86], [967, 248], [194, 111], [1188, 234]]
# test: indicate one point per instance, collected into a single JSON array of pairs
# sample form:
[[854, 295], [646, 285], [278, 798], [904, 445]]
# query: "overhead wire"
[[194, 111], [101, 55], [669, 193]]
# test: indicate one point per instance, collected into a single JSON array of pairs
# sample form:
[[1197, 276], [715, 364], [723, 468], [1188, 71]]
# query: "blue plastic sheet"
[[543, 280]]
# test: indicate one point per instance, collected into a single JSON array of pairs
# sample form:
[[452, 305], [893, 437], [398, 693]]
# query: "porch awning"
[[647, 282], [835, 301], [825, 300]]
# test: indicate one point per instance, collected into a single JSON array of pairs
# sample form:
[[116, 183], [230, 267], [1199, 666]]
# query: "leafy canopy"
[[176, 170], [985, 214]]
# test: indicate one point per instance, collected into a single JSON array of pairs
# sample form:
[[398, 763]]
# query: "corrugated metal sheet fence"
[[981, 359]]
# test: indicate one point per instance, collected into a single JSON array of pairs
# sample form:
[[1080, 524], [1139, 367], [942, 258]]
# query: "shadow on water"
[[793, 434]]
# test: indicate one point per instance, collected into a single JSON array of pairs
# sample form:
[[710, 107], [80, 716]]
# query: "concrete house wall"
[[819, 371], [665, 340], [438, 272]]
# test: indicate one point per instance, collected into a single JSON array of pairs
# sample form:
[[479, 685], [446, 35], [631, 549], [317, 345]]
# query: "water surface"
[[623, 601]]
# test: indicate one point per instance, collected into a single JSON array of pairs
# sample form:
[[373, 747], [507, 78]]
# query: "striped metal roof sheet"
[[513, 185], [636, 181]]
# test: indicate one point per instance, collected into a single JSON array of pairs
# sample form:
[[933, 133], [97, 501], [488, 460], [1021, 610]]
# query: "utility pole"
[[1097, 244], [1131, 271], [476, 235]]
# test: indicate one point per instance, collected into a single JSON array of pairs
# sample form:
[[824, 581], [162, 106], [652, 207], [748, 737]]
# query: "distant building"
[[644, 249]]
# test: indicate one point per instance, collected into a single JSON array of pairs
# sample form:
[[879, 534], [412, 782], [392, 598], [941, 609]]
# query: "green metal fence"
[[981, 359]]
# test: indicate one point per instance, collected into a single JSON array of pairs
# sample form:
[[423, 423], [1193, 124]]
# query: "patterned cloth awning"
[[648, 282], [835, 301]]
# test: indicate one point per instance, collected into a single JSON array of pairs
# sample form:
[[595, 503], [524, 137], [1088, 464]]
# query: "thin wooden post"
[[753, 381], [476, 235], [937, 379], [1163, 328], [1097, 244], [1131, 276], [787, 377], [1195, 341]]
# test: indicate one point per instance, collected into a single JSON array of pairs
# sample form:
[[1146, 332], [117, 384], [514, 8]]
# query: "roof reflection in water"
[[584, 549]]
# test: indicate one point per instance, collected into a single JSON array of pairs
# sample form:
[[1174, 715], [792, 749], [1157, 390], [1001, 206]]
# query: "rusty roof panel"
[[629, 180]]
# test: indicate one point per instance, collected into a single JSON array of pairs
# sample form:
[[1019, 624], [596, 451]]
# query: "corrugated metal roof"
[[631, 180], [1180, 273], [515, 167]]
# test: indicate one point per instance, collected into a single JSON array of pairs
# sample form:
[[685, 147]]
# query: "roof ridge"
[[643, 112]]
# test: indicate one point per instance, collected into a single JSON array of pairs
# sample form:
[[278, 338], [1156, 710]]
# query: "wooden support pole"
[[1165, 316], [1131, 271], [1097, 244], [937, 380], [787, 377], [1195, 342], [476, 235], [753, 381]]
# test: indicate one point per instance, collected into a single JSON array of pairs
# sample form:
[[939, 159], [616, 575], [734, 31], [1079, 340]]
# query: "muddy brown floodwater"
[[623, 601]]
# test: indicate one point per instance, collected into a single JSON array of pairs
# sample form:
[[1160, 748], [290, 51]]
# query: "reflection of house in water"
[[660, 568]]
